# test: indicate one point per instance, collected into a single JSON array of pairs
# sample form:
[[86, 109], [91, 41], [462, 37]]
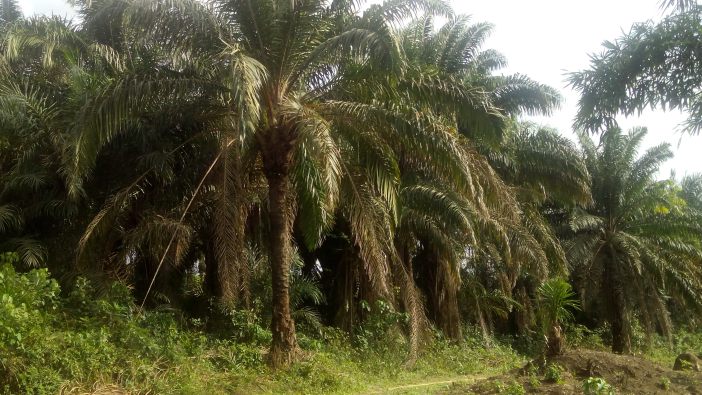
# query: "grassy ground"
[[78, 342]]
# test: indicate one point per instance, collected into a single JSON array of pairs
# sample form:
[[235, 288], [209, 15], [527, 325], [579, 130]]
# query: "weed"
[[514, 389], [554, 373], [86, 341], [597, 386]]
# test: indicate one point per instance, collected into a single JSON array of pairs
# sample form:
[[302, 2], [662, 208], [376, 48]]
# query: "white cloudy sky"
[[544, 39]]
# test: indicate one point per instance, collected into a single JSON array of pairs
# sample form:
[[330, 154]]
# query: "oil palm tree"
[[557, 303], [547, 176], [452, 55], [289, 87], [43, 83], [637, 241]]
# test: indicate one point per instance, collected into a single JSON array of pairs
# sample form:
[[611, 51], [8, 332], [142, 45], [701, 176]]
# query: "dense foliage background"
[[201, 180]]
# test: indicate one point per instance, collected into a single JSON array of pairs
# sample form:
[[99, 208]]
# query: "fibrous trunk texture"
[[277, 161]]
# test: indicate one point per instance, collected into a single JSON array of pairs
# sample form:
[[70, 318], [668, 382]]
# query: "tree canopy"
[[314, 162]]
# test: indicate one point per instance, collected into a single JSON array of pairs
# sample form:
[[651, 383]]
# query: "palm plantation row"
[[290, 153]]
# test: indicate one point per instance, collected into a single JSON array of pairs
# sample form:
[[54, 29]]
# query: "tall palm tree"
[[636, 242], [9, 13], [290, 88], [545, 176], [452, 56]]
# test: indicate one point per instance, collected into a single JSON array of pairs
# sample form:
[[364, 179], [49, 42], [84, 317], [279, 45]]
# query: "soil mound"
[[565, 374]]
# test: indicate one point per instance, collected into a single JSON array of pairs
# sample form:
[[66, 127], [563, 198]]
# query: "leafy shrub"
[[50, 342], [597, 386], [554, 373], [580, 336], [514, 389], [246, 327], [380, 330]]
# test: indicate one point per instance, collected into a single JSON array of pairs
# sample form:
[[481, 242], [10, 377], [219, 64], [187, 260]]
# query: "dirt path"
[[427, 385]]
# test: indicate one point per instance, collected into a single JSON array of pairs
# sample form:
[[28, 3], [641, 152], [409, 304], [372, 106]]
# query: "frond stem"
[[182, 218]]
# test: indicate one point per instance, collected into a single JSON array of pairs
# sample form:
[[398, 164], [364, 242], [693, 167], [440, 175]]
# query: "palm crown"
[[638, 241]]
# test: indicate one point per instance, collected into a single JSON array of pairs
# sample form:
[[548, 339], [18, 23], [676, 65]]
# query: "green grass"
[[664, 351], [77, 342]]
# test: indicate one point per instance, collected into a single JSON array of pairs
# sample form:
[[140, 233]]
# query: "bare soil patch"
[[625, 373]]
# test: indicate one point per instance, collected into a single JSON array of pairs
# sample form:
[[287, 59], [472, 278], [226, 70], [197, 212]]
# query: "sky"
[[544, 39]]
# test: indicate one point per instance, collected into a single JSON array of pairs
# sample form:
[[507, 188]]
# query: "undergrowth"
[[82, 341]]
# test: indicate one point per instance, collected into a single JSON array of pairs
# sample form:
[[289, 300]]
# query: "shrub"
[[554, 373], [380, 331], [597, 386], [49, 342], [580, 336], [514, 389]]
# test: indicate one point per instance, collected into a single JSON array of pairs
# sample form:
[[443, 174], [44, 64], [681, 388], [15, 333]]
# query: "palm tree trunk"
[[450, 316], [284, 346], [212, 284], [616, 307], [621, 343]]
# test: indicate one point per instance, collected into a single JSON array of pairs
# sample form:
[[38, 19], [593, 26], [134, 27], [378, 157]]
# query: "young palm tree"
[[557, 302], [637, 240]]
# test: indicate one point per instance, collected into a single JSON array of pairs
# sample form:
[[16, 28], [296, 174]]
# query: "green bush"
[[49, 342], [597, 386], [514, 389], [380, 331], [580, 336], [554, 373], [86, 340]]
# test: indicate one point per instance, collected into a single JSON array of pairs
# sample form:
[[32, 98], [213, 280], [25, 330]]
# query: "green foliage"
[[82, 338], [597, 386], [514, 388], [257, 130], [84, 342], [664, 349], [557, 302], [638, 241], [554, 373], [664, 383], [246, 327], [649, 66], [580, 336], [380, 331]]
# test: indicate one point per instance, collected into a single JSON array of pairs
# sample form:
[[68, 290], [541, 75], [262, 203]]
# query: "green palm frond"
[[32, 253], [638, 231], [10, 218], [558, 301]]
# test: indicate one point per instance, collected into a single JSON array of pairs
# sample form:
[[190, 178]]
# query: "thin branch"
[[182, 218]]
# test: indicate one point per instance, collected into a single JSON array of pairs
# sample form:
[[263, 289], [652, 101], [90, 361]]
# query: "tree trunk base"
[[282, 357], [555, 342]]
